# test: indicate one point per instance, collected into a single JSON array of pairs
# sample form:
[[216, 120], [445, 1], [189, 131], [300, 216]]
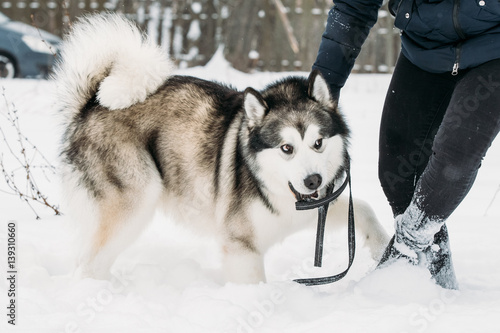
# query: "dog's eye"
[[287, 149], [318, 143]]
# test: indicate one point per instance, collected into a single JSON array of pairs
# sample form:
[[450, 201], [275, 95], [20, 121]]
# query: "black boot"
[[438, 260], [392, 254]]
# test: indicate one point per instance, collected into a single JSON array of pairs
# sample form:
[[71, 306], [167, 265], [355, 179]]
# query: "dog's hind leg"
[[376, 238], [121, 217]]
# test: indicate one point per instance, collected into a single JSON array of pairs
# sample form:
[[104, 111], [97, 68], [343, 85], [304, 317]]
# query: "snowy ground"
[[168, 281]]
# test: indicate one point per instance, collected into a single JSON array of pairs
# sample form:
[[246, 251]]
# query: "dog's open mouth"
[[302, 197]]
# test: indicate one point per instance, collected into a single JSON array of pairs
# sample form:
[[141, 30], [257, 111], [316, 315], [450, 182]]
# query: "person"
[[441, 113]]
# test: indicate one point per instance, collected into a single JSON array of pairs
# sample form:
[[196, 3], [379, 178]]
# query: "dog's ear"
[[255, 107], [319, 91]]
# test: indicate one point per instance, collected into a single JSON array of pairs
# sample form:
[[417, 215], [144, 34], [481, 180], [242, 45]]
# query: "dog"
[[224, 162]]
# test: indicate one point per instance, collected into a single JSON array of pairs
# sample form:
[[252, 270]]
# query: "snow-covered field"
[[169, 280]]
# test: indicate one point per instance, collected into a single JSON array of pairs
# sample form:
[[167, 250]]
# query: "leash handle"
[[351, 238]]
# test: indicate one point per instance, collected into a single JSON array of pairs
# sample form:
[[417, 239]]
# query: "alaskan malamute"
[[222, 161]]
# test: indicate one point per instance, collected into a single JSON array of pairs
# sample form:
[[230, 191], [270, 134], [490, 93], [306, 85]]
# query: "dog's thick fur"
[[219, 160]]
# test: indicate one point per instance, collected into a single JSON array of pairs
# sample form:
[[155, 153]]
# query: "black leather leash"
[[322, 206]]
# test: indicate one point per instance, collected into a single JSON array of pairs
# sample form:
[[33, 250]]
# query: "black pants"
[[435, 131]]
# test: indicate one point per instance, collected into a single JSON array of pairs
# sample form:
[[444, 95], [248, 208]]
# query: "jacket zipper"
[[460, 33], [458, 50]]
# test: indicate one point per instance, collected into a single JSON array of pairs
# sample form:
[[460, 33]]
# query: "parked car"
[[25, 51]]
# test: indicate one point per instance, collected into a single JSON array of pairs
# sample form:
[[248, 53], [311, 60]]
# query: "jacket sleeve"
[[348, 25]]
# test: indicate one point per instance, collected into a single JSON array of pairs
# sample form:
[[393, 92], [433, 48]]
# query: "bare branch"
[[25, 155], [492, 201], [294, 44], [40, 35]]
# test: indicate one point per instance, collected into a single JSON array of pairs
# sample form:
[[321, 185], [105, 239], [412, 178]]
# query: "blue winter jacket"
[[437, 35]]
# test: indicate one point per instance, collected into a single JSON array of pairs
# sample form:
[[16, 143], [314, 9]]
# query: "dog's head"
[[297, 136]]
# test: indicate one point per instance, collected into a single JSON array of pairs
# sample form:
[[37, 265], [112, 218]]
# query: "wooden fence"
[[256, 34]]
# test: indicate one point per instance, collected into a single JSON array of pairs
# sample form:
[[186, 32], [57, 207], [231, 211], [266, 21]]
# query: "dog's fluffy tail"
[[108, 57]]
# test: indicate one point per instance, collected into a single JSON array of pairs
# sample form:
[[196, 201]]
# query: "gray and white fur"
[[218, 160]]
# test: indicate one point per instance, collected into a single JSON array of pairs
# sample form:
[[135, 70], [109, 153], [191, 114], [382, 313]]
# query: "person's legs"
[[470, 124], [414, 108]]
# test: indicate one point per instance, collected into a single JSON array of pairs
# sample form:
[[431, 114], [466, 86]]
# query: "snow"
[[169, 280], [194, 32]]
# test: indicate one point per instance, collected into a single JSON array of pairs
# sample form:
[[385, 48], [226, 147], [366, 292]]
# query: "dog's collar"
[[322, 205]]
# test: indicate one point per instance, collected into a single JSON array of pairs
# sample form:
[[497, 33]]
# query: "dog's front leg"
[[242, 263]]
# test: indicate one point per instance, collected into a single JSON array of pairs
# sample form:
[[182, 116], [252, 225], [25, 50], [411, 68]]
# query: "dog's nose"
[[312, 182]]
